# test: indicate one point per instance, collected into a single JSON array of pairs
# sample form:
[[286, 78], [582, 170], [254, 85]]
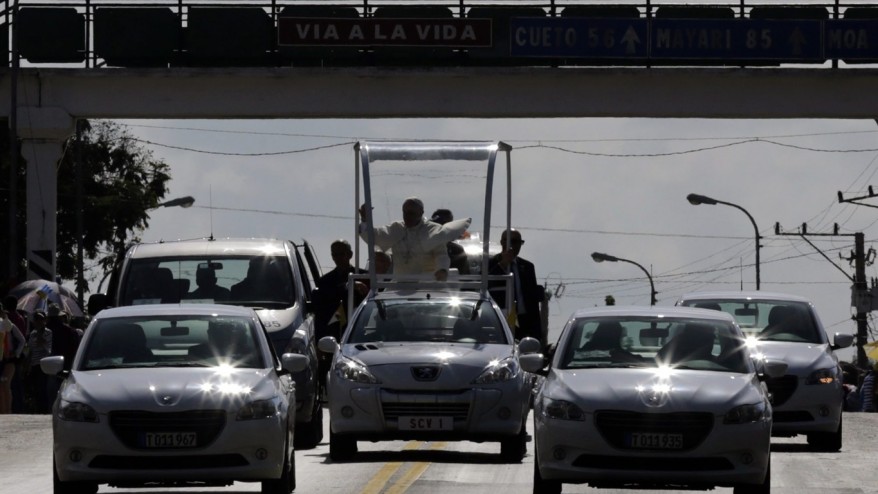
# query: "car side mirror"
[[327, 344], [294, 362], [842, 340], [533, 363], [52, 366], [529, 345]]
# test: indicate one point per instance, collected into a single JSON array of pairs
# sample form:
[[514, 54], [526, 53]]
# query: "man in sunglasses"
[[524, 317]]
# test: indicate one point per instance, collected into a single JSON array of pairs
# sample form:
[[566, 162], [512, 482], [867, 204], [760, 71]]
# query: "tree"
[[121, 182]]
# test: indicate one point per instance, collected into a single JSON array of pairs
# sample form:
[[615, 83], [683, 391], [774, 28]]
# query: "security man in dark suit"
[[525, 317]]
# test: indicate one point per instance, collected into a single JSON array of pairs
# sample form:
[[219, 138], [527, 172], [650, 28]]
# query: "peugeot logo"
[[425, 373], [167, 399]]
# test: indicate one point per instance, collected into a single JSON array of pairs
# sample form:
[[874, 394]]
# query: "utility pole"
[[861, 297]]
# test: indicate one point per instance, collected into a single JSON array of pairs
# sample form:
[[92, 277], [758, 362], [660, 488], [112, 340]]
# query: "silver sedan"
[[174, 395], [652, 398]]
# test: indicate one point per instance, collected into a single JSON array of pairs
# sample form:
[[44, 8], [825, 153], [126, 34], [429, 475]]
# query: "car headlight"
[[562, 410], [259, 409], [77, 412], [746, 414], [352, 370], [499, 371], [822, 376]]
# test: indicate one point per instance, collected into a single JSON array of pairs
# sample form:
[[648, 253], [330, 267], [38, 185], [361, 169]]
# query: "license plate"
[[170, 440], [654, 440], [426, 423]]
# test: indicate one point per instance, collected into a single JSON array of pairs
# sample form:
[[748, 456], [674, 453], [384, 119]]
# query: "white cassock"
[[420, 249]]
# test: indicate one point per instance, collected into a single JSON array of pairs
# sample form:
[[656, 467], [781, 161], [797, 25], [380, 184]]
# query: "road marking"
[[413, 473], [377, 483], [380, 479]]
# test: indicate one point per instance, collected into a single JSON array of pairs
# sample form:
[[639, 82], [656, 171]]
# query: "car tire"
[[514, 449], [543, 486], [826, 441], [287, 481], [763, 488], [309, 434], [341, 448], [59, 487]]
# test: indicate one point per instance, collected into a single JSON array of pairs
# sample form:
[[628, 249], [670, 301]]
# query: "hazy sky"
[[616, 186]]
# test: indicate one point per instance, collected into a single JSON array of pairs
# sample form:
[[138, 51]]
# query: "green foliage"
[[121, 182]]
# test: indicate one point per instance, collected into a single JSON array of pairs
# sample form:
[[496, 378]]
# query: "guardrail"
[[98, 34]]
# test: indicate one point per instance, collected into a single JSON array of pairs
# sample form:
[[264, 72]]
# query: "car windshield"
[[772, 320], [173, 341], [436, 320], [260, 281], [620, 341]]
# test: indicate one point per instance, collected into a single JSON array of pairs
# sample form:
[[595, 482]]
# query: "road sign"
[[451, 32], [851, 39], [737, 39], [578, 37]]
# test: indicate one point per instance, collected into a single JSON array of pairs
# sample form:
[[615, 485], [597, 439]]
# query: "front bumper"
[[243, 450], [576, 452], [485, 413]]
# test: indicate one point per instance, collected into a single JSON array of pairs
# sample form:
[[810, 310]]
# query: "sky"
[[616, 186]]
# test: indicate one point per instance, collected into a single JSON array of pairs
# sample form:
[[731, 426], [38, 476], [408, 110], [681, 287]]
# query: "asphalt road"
[[456, 467]]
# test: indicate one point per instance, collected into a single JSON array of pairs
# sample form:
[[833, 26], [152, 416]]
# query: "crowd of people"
[[860, 388], [25, 338]]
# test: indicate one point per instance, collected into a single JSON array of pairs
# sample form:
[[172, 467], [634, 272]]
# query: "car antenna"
[[210, 199]]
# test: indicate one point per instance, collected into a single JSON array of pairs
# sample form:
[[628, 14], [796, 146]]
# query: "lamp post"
[[183, 202], [598, 257], [696, 199]]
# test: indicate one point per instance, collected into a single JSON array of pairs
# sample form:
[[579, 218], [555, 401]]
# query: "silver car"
[[429, 364], [174, 395], [808, 399], [652, 398]]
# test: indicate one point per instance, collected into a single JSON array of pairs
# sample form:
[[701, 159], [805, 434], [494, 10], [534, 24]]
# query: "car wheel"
[[309, 434], [763, 488], [541, 485], [826, 441], [59, 487], [287, 481], [513, 449], [341, 448]]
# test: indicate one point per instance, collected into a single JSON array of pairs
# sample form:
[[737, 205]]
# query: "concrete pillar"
[[42, 132]]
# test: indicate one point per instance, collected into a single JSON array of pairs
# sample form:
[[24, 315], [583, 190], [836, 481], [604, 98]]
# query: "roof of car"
[[209, 247], [745, 295], [175, 309], [647, 311]]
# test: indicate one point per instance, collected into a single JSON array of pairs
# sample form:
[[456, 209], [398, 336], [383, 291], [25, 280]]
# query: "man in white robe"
[[418, 245]]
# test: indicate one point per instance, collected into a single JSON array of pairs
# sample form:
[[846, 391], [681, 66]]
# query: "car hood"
[[396, 364], [163, 388], [801, 358], [643, 390]]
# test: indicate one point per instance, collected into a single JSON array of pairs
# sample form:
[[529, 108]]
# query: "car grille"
[[614, 425], [458, 411], [129, 425], [781, 388], [652, 463], [194, 462], [793, 416]]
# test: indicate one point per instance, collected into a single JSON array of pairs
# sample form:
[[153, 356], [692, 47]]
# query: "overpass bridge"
[[370, 59]]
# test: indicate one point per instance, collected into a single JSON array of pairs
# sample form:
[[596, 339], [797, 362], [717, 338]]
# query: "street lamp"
[[598, 257], [183, 202], [696, 199]]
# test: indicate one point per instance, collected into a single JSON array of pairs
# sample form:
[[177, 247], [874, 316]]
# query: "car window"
[[444, 321], [651, 342], [173, 341], [264, 281], [770, 320]]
